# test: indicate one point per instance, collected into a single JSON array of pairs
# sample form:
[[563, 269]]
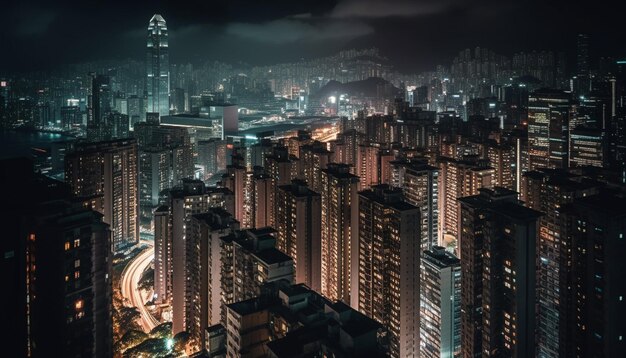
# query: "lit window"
[[76, 263], [67, 246], [76, 242]]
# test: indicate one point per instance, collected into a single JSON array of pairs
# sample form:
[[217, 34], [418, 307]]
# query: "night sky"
[[415, 35]]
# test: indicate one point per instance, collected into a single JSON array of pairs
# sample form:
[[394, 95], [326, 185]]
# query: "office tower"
[[313, 158], [99, 105], [502, 160], [588, 147], [235, 181], [108, 170], [295, 321], [203, 271], [226, 116], [70, 117], [550, 191], [260, 201], [162, 256], [420, 183], [158, 67], [598, 241], [56, 269], [498, 277], [367, 166], [549, 115], [298, 222], [119, 124], [440, 304], [178, 101], [165, 158], [136, 110], [582, 55], [212, 156], [192, 197], [472, 212], [339, 215], [281, 170], [458, 179], [389, 249], [155, 176]]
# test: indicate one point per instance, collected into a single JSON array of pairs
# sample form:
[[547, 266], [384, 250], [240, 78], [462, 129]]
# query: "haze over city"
[[313, 179]]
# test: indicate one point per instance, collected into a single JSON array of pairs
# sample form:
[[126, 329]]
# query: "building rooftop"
[[272, 256], [441, 258]]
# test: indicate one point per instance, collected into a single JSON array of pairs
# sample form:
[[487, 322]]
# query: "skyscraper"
[[298, 223], [157, 67], [498, 261], [440, 304], [389, 249], [473, 218], [339, 215], [106, 173], [549, 115], [550, 191], [598, 241], [420, 183], [56, 269], [582, 55]]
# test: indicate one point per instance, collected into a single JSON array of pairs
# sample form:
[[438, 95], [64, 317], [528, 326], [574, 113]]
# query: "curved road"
[[130, 279]]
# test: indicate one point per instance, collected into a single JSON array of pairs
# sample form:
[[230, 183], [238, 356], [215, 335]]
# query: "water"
[[27, 144]]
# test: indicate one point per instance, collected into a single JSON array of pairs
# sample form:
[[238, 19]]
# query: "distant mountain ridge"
[[371, 87]]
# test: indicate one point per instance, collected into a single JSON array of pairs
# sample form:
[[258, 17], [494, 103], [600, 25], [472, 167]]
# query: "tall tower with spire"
[[158, 67]]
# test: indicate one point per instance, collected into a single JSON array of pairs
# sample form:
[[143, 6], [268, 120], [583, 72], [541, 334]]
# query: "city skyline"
[[323, 207]]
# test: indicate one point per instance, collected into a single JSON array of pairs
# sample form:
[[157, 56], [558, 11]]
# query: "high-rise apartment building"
[[193, 197], [597, 226], [339, 216], [498, 277], [108, 170], [420, 183], [298, 222], [56, 269], [550, 191], [440, 304], [389, 250], [458, 179]]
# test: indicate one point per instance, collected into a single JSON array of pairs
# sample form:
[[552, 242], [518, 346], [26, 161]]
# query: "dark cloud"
[[389, 8], [415, 34], [289, 30]]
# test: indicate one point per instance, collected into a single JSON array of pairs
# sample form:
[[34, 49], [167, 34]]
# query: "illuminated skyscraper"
[[339, 215], [498, 262], [106, 173], [582, 55], [458, 179], [598, 229], [299, 229], [388, 266], [440, 304], [420, 183], [56, 269], [550, 191], [473, 219], [157, 67], [549, 115]]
